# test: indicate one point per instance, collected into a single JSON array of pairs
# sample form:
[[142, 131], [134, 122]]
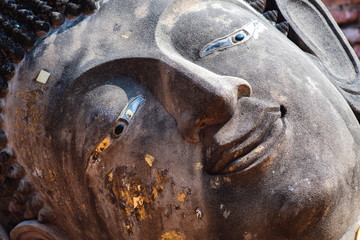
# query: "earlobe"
[[31, 229], [316, 29]]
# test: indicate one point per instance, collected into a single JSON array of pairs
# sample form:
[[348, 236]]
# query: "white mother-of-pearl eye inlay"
[[132, 107], [239, 36]]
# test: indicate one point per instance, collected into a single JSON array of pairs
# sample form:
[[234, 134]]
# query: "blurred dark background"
[[347, 15]]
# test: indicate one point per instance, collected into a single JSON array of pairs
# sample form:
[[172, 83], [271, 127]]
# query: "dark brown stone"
[[182, 120]]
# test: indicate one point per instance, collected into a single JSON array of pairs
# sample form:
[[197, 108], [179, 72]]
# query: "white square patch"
[[43, 76]]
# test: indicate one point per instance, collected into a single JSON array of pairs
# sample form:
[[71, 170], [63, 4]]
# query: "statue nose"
[[193, 95], [202, 100]]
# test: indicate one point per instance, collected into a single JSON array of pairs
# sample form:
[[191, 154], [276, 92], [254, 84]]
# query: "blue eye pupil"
[[239, 37]]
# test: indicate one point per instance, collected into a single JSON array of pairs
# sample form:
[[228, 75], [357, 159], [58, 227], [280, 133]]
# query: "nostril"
[[283, 111], [244, 90]]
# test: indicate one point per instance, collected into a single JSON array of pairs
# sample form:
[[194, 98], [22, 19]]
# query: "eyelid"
[[125, 117], [230, 40]]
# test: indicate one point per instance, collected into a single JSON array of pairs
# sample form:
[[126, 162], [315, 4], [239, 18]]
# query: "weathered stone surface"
[[183, 119]]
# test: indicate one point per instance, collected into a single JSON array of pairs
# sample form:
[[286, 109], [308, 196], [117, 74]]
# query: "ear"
[[312, 24], [31, 229], [315, 31]]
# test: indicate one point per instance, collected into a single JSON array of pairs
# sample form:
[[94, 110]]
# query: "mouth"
[[244, 154]]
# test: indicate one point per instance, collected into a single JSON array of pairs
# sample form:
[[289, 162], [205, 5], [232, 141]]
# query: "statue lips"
[[256, 148]]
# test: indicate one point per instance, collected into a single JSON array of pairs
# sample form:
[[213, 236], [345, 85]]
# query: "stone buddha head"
[[177, 119]]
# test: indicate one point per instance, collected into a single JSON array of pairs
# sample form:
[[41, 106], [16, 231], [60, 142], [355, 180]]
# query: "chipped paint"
[[172, 235], [149, 159], [43, 77]]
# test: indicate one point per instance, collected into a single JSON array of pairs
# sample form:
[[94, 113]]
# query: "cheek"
[[289, 205], [149, 176], [305, 204]]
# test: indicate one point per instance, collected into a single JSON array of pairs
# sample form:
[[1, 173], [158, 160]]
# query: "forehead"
[[137, 28], [160, 31], [131, 30]]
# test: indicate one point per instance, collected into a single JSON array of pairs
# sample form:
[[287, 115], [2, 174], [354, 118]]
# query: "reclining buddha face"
[[192, 120]]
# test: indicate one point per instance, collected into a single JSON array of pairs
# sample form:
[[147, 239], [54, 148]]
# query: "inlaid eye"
[[239, 37], [233, 39], [131, 109], [126, 116]]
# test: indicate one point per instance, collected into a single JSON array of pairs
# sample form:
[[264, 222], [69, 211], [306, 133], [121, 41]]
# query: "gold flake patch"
[[149, 159]]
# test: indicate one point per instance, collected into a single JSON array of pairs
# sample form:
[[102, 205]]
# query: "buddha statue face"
[[188, 120]]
